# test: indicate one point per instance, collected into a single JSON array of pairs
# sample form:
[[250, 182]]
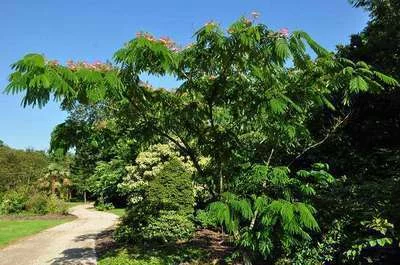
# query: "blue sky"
[[93, 30]]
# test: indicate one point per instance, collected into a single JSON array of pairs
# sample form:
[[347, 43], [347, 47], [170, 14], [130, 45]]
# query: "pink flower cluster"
[[284, 32], [96, 66], [166, 41], [53, 63], [255, 14]]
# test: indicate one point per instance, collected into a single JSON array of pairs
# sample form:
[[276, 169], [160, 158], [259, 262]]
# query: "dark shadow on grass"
[[76, 256], [207, 247]]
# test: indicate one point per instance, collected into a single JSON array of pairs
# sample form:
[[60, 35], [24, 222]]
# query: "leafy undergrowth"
[[205, 248]]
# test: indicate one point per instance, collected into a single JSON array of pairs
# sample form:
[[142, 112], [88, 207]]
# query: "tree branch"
[[334, 128]]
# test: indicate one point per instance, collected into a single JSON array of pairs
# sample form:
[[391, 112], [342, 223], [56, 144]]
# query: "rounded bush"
[[168, 227]]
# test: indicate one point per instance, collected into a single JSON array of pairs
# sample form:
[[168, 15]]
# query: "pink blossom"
[[284, 32], [53, 63], [255, 14], [165, 39], [96, 66]]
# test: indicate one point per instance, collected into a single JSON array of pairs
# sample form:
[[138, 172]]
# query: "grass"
[[117, 211], [11, 230], [73, 204], [153, 256]]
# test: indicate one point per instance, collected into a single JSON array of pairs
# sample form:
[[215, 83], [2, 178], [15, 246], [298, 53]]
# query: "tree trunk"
[[221, 180], [84, 197]]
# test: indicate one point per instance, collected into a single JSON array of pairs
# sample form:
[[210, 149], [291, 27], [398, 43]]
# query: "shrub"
[[25, 199], [103, 184], [13, 201], [161, 195], [206, 219], [172, 189], [168, 227], [102, 206], [124, 233], [56, 205], [41, 203], [37, 204]]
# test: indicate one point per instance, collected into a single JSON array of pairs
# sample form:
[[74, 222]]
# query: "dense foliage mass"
[[20, 167], [237, 140], [31, 182]]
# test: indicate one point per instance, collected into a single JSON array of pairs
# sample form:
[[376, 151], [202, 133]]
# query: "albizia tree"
[[248, 101]]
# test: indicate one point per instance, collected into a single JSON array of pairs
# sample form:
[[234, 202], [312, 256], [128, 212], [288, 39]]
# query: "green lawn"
[[73, 204], [11, 230], [117, 211]]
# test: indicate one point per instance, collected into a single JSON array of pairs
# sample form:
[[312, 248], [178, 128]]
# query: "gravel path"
[[71, 243]]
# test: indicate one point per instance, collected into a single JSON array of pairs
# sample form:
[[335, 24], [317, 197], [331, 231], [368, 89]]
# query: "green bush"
[[13, 201], [172, 189], [124, 233], [37, 204], [56, 205], [41, 203], [205, 219], [102, 206], [28, 200], [161, 193], [168, 227]]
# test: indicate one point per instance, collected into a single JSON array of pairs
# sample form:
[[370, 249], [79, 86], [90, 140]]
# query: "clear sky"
[[93, 30]]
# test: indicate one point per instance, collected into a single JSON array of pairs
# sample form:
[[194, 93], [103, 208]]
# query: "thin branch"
[[267, 164], [334, 128], [270, 156]]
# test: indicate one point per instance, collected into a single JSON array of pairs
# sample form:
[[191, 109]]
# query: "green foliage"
[[169, 226], [161, 195], [172, 189], [102, 206], [14, 201], [37, 204], [206, 219], [277, 217], [162, 178], [125, 259], [19, 168], [31, 201], [379, 238], [56, 205], [104, 182], [56, 181]]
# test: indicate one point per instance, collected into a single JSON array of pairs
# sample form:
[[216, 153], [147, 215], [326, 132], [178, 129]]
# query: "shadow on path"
[[75, 256], [85, 237]]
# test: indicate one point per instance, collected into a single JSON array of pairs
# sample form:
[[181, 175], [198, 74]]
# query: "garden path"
[[71, 243]]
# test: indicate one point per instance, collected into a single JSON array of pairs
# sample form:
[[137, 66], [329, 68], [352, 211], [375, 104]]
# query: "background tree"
[[19, 167], [366, 150]]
